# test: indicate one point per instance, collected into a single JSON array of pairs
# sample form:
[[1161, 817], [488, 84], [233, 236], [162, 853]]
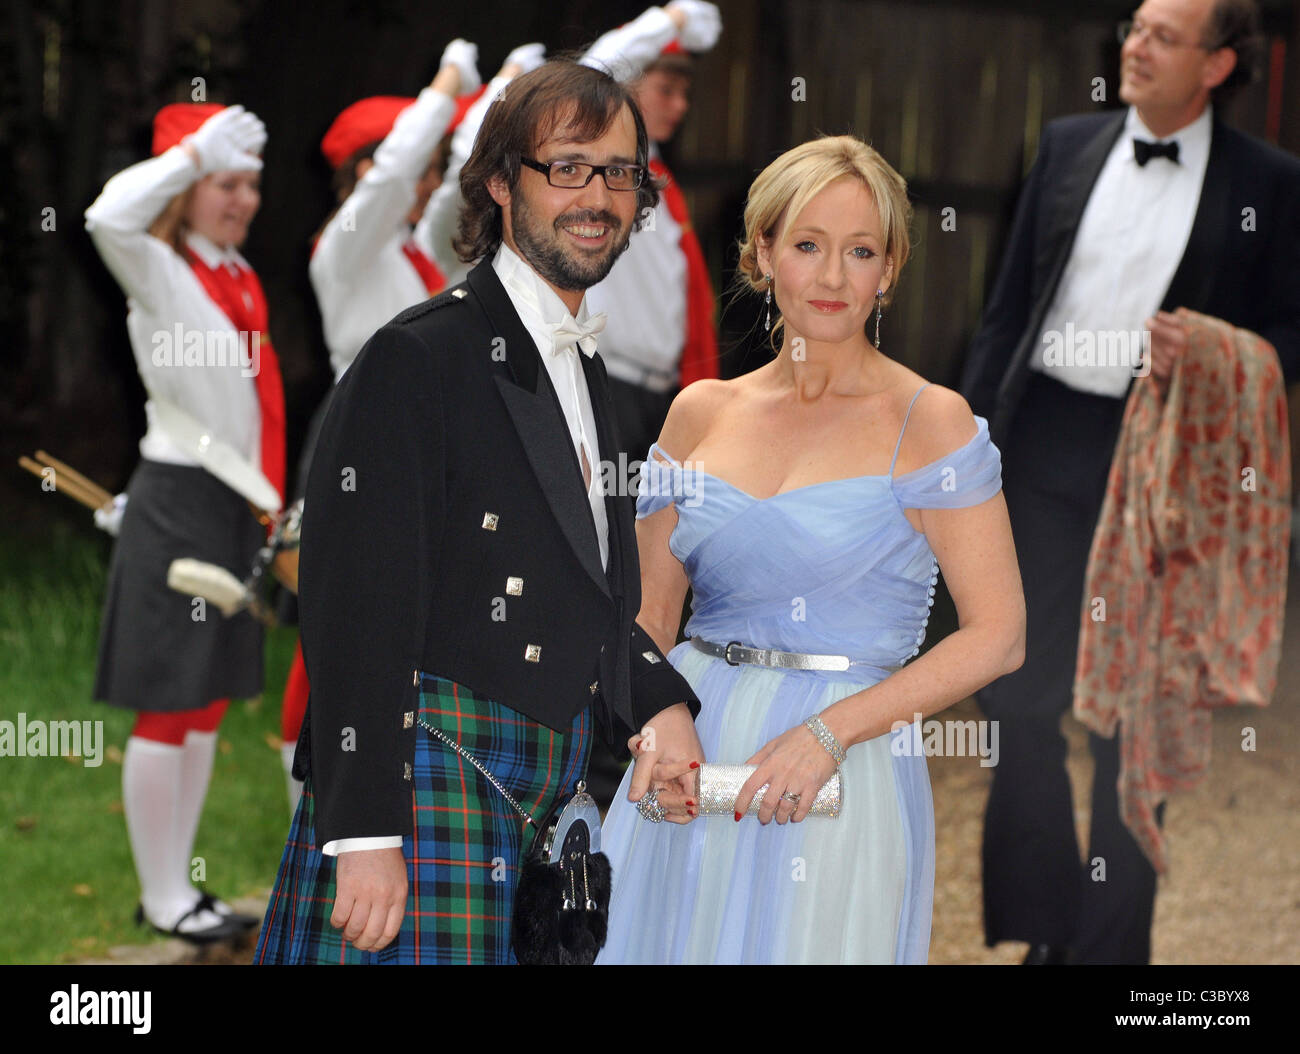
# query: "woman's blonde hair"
[[797, 176]]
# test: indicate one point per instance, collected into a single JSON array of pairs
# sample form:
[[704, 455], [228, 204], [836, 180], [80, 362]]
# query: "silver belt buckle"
[[726, 653]]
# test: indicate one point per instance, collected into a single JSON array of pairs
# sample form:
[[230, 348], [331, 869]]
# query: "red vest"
[[240, 296]]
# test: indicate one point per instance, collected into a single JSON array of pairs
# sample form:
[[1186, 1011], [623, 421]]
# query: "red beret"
[[370, 120], [173, 123]]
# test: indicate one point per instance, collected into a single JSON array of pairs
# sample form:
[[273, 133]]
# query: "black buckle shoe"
[[219, 907], [224, 930]]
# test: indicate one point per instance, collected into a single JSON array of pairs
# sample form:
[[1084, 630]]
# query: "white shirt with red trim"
[[185, 346]]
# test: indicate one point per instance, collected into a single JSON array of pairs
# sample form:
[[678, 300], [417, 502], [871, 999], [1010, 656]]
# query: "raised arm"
[[381, 198], [119, 219], [625, 52], [437, 226]]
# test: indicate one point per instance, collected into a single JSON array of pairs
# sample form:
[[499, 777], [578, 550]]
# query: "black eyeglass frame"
[[545, 167]]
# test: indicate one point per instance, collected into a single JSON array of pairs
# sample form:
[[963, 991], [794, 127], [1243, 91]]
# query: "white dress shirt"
[[541, 311], [1131, 237], [165, 300], [360, 274]]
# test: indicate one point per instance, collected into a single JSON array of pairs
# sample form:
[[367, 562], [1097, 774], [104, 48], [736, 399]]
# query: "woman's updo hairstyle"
[[797, 176]]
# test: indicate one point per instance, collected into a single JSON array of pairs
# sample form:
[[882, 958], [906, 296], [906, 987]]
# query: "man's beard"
[[544, 252]]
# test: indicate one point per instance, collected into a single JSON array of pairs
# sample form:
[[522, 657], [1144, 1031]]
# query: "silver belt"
[[735, 653]]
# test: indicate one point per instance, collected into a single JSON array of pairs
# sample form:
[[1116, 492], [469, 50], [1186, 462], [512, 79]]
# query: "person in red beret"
[[169, 230], [387, 246]]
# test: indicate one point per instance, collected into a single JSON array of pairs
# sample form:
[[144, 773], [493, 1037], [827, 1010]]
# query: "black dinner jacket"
[[1248, 277], [446, 530]]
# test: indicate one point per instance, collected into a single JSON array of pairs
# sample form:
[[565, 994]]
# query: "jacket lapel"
[[1071, 198], [535, 411], [622, 536], [1194, 278], [1062, 213]]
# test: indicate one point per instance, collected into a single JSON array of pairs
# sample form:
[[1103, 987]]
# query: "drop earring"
[[767, 302], [880, 297]]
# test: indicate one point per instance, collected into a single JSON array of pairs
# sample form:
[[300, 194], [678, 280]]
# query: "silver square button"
[[533, 653], [490, 520], [515, 586], [650, 656], [408, 719]]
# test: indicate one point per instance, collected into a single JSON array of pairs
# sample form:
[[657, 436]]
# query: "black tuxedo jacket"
[[446, 530], [1243, 267]]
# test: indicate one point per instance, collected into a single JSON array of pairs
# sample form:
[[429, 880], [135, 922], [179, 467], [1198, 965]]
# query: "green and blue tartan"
[[463, 857]]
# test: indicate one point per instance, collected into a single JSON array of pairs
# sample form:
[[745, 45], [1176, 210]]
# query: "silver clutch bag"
[[716, 787]]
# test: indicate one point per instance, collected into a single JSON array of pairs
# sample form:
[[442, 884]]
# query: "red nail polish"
[[695, 764], [689, 802], [738, 815]]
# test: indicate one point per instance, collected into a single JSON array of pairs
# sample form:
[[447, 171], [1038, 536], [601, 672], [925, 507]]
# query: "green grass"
[[66, 876]]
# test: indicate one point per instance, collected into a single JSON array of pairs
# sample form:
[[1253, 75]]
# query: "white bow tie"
[[570, 332]]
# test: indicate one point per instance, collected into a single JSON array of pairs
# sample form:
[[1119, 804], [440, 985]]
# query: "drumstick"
[[94, 488], [63, 484]]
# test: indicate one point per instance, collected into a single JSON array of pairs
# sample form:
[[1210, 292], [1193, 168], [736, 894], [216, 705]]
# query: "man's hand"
[[667, 752], [1168, 342], [370, 898]]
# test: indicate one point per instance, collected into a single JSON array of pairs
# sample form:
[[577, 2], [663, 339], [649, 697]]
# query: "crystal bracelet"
[[826, 738]]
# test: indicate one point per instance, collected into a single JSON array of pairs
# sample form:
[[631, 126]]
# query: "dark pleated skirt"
[[158, 649]]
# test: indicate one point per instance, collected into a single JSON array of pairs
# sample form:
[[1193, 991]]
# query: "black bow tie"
[[1144, 151]]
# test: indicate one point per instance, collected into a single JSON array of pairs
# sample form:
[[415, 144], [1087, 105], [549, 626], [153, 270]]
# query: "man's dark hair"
[[530, 109], [1235, 24]]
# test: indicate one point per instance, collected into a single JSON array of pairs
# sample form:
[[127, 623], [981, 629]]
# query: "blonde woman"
[[810, 505]]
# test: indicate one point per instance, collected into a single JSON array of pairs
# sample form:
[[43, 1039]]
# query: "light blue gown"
[[833, 568]]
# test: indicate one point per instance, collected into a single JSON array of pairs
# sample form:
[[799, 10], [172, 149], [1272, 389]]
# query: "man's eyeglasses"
[[1135, 27], [571, 175]]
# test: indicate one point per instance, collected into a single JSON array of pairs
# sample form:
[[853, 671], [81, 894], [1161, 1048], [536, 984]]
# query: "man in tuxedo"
[[469, 575], [1125, 218]]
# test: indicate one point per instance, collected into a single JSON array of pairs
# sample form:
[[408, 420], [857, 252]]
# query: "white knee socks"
[[162, 795]]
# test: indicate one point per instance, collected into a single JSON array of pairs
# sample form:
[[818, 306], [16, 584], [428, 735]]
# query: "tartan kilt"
[[463, 857]]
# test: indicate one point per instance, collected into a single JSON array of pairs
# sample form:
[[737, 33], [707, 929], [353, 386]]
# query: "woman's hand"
[[667, 752], [794, 763]]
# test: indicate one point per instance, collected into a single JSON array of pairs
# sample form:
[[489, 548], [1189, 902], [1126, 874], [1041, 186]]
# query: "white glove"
[[110, 519], [527, 56], [464, 56], [703, 24], [230, 141]]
